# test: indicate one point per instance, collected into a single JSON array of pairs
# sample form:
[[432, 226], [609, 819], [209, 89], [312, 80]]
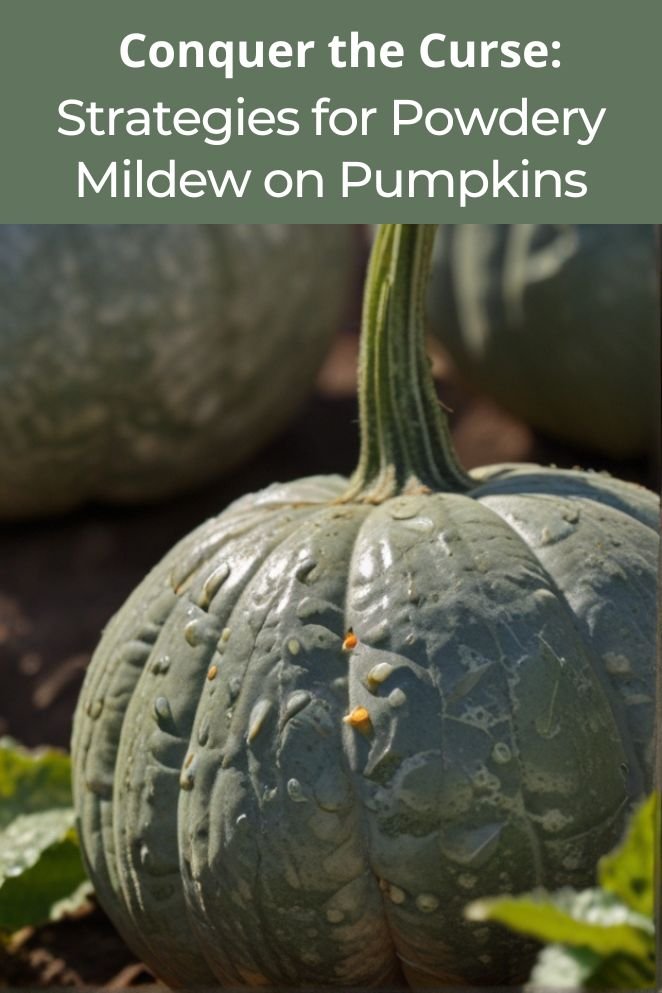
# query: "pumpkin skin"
[[263, 802], [140, 360], [557, 323], [513, 729]]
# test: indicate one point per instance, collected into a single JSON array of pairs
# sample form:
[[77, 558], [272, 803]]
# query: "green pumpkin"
[[557, 323], [139, 360], [340, 710]]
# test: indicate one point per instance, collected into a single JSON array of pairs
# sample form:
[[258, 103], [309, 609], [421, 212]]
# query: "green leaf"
[[628, 871], [620, 972], [591, 919], [40, 865], [73, 901], [32, 781], [41, 872], [560, 967], [32, 886]]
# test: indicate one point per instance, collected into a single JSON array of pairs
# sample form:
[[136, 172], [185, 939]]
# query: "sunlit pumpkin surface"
[[323, 724]]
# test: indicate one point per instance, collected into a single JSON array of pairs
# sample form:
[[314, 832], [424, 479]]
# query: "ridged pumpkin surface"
[[267, 798], [559, 324], [139, 360]]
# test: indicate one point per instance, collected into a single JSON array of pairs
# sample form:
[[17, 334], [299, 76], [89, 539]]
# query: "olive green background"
[[51, 50]]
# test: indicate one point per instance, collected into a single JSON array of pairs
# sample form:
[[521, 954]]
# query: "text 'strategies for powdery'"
[[319, 116]]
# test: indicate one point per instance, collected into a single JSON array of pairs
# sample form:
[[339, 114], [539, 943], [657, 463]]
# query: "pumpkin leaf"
[[32, 781], [592, 919], [628, 871], [561, 967], [41, 872]]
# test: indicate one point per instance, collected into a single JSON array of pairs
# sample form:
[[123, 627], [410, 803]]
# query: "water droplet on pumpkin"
[[427, 902], [94, 709], [257, 718], [193, 633], [161, 665], [501, 753], [396, 895], [295, 702], [212, 585], [397, 697], [403, 510], [379, 673], [162, 710], [295, 791], [187, 777], [334, 916], [303, 571]]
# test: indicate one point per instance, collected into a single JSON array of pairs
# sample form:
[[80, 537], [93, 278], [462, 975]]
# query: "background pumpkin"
[[558, 323], [263, 799], [139, 360]]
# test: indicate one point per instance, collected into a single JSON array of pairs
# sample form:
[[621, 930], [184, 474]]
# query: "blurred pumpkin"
[[557, 323], [139, 360]]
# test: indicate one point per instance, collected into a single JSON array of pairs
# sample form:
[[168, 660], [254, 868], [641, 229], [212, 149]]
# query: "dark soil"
[[82, 952], [62, 579]]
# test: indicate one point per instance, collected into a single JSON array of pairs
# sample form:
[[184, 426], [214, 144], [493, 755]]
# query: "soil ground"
[[62, 579]]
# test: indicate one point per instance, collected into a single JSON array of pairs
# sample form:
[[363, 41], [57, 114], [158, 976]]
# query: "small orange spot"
[[350, 642], [212, 671], [359, 718]]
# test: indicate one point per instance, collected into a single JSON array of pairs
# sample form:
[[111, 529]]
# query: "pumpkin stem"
[[405, 439]]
